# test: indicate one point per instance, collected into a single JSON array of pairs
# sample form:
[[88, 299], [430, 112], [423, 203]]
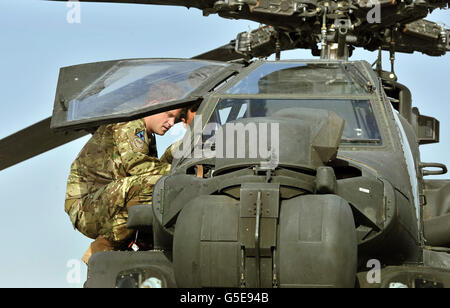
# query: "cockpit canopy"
[[127, 89], [90, 95], [303, 79]]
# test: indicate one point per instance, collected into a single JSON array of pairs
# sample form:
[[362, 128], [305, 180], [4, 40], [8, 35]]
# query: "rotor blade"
[[200, 4], [224, 53], [32, 141]]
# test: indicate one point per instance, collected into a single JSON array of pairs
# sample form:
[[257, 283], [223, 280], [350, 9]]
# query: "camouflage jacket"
[[114, 152], [170, 152]]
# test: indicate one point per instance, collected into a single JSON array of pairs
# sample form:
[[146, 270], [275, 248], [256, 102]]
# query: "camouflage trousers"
[[105, 211]]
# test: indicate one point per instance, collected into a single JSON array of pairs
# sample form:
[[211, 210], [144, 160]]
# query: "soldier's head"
[[161, 92], [188, 114], [160, 123]]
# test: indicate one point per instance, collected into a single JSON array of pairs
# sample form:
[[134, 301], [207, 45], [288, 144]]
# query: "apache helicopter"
[[341, 184]]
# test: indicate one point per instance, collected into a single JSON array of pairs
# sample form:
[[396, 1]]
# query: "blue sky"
[[36, 40]]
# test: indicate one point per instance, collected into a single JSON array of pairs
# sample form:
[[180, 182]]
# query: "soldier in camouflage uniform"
[[116, 169]]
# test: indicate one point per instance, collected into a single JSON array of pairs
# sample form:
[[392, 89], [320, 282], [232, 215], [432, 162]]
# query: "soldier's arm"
[[133, 146], [168, 155]]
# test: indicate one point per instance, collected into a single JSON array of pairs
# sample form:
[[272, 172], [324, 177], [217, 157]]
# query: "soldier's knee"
[[72, 208], [84, 222]]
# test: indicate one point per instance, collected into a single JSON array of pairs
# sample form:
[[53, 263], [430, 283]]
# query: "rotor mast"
[[334, 39]]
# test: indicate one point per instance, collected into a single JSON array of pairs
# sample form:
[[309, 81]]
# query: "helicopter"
[[322, 177]]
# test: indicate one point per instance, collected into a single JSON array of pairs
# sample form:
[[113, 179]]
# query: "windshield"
[[132, 85], [302, 78], [360, 123]]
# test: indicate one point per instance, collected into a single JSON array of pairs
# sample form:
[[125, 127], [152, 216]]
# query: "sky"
[[41, 249]]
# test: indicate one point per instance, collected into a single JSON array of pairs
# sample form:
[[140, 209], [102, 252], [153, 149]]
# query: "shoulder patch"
[[141, 135], [138, 142]]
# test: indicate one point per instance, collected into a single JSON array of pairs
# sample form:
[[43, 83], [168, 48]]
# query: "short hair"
[[192, 108]]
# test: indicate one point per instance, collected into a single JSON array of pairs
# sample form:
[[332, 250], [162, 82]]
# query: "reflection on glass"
[[301, 78], [136, 84], [360, 123]]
